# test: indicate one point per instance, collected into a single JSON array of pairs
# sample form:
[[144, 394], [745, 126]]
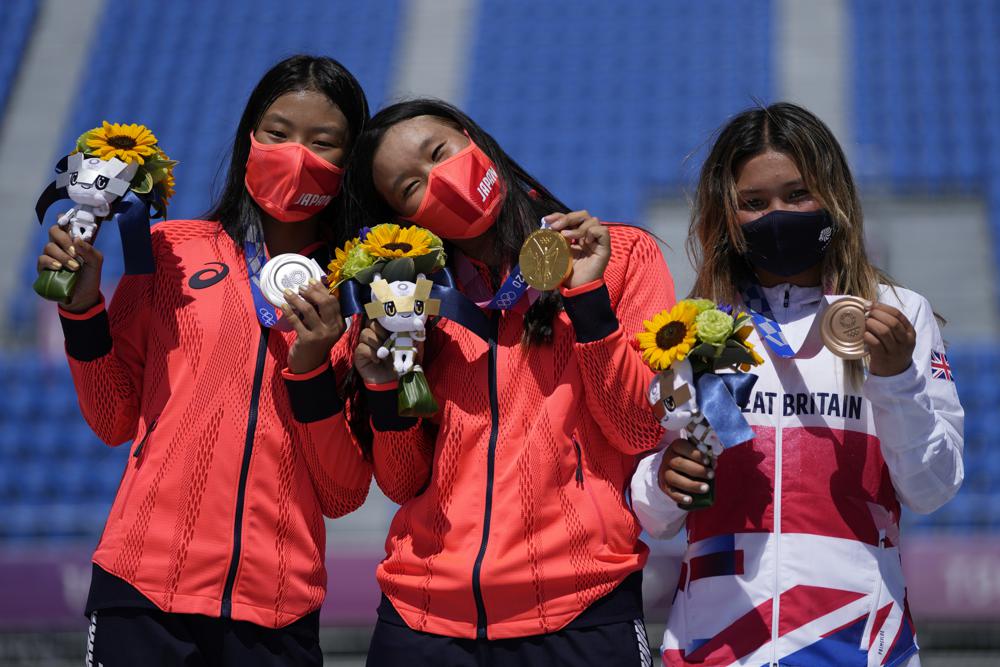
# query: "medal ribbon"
[[267, 314], [770, 331], [510, 292]]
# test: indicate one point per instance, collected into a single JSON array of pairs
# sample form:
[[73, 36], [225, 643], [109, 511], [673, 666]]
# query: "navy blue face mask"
[[788, 242]]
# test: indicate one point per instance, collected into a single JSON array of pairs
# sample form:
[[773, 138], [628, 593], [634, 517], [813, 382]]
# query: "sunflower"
[[336, 265], [669, 336], [392, 241], [757, 359], [129, 143]]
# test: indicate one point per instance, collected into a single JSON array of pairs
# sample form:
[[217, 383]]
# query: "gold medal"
[[843, 327], [545, 259]]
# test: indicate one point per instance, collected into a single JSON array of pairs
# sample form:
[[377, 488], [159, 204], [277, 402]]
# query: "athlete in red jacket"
[[514, 543], [214, 548]]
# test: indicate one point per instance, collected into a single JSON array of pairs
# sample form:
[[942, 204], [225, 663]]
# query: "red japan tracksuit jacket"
[[220, 508], [514, 519]]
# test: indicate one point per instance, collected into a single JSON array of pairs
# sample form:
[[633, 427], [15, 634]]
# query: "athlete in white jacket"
[[797, 561], [810, 507]]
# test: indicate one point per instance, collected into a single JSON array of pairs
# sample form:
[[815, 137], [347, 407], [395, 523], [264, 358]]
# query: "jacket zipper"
[[258, 379], [787, 295], [589, 490], [135, 471], [579, 462], [776, 605], [142, 443], [477, 589]]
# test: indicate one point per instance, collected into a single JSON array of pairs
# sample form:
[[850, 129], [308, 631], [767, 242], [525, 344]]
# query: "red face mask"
[[463, 196], [289, 181]]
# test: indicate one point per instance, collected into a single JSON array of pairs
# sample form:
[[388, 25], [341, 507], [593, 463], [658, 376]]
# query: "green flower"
[[714, 326], [702, 304], [357, 259]]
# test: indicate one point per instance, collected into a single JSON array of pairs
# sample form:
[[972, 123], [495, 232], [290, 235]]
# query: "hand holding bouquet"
[[702, 354]]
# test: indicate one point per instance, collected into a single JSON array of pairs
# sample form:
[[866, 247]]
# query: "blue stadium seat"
[[625, 93], [17, 19]]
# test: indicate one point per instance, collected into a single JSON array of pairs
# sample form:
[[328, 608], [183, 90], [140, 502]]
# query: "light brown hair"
[[715, 242]]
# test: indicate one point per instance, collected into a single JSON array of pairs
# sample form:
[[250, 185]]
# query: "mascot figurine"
[[393, 262], [116, 171]]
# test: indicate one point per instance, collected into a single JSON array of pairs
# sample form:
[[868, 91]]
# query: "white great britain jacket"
[[797, 562]]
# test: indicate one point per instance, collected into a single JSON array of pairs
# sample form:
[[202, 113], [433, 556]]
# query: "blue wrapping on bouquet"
[[721, 398]]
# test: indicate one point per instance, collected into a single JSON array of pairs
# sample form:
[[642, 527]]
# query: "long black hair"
[[526, 200], [235, 209]]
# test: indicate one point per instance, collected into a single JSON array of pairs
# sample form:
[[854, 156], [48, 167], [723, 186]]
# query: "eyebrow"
[[749, 191], [276, 117]]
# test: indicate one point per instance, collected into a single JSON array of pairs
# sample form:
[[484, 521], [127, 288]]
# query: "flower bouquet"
[[108, 164], [394, 262], [688, 346]]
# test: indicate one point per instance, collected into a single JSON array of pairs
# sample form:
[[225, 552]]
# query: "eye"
[[798, 194], [277, 134], [101, 182], [322, 143], [390, 308], [409, 188], [418, 308], [436, 154], [754, 204], [72, 178]]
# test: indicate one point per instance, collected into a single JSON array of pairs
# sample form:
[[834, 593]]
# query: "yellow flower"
[[757, 359], [128, 143], [669, 336], [336, 265], [391, 241]]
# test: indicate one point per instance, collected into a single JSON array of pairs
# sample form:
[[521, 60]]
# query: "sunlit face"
[[771, 182], [404, 159], [308, 118]]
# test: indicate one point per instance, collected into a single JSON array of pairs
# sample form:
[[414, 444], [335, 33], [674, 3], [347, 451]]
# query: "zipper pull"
[[787, 294], [142, 443], [579, 462]]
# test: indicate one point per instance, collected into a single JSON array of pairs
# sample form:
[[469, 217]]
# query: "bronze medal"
[[843, 327], [545, 260]]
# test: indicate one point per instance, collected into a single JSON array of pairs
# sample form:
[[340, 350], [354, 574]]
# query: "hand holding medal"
[[890, 339], [571, 248]]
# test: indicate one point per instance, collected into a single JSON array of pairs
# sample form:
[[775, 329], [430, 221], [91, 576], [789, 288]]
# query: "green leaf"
[[142, 183], [400, 268], [702, 350], [428, 263], [81, 142], [366, 275]]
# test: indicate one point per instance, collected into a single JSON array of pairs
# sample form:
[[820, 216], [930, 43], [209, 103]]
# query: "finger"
[[46, 263], [61, 237], [88, 253], [678, 497], [379, 330], [895, 320], [886, 309], [690, 468], [553, 218], [306, 311], [883, 332], [582, 230], [326, 304], [294, 320], [57, 254], [569, 220], [370, 341], [688, 450], [676, 480]]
